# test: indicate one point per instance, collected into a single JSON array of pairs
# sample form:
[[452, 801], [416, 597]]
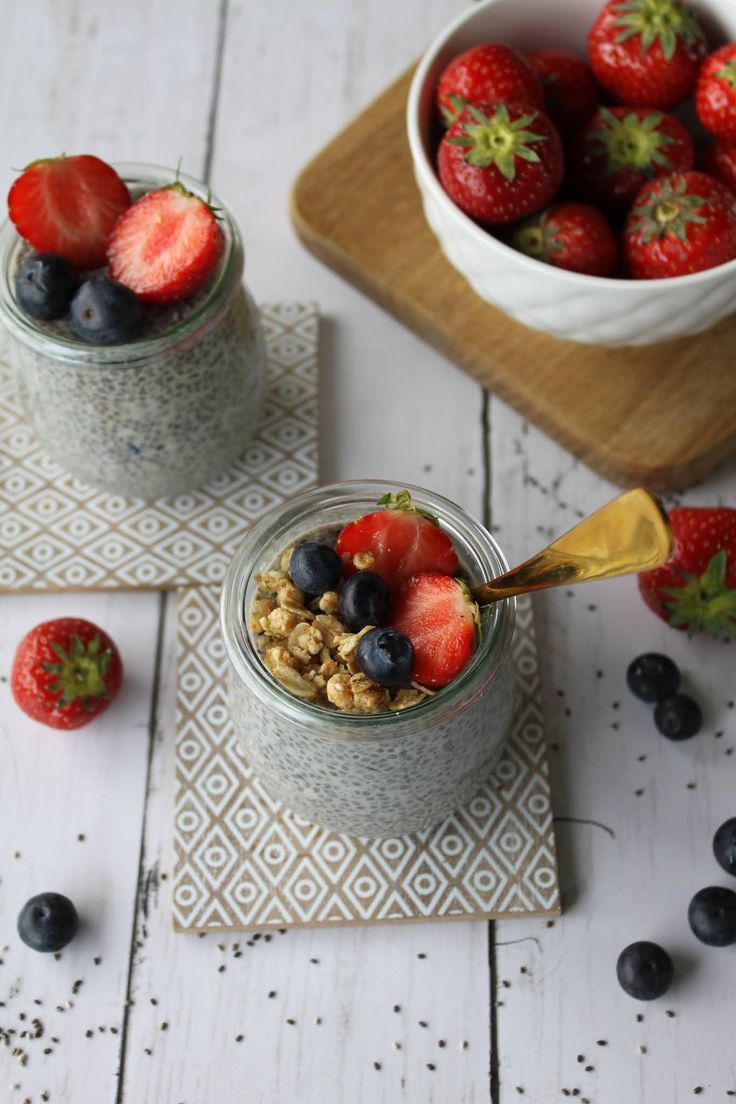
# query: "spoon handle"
[[630, 534]]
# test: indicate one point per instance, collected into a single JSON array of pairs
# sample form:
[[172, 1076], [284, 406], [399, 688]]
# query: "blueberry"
[[105, 312], [644, 970], [724, 845], [678, 717], [712, 916], [315, 567], [44, 286], [364, 600], [652, 677], [48, 922], [386, 656]]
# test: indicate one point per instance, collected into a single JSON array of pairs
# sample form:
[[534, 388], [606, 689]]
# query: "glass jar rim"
[[489, 656], [62, 349]]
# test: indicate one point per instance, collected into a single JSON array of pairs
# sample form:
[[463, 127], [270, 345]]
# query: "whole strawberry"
[[66, 672], [646, 53], [570, 92], [719, 160], [679, 224], [696, 589], [715, 95], [622, 148], [573, 236], [487, 72], [499, 162]]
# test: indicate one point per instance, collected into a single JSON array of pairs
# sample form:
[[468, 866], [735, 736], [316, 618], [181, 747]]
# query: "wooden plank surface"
[[662, 416]]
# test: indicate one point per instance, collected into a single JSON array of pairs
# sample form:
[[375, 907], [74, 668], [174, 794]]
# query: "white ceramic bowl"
[[589, 309]]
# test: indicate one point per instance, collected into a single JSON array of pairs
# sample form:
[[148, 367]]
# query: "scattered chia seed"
[[272, 994], [719, 734], [57, 956], [565, 1092], [599, 674], [154, 1002], [441, 1043], [670, 1013], [638, 793], [639, 1018], [267, 939], [397, 1008], [291, 1022], [396, 1046], [16, 854], [318, 1020], [376, 1065], [423, 1023], [641, 1049], [430, 1066], [642, 758], [81, 837], [221, 969], [506, 984], [615, 725], [589, 1069], [314, 961], [519, 1090], [581, 1057], [88, 1033], [550, 923], [601, 1042], [691, 785], [522, 970], [148, 1051], [698, 1090], [48, 1050], [239, 1038], [464, 1044], [421, 955], [164, 1026], [77, 986]]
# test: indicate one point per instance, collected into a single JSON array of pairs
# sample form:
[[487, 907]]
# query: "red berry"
[[68, 206], [646, 53], [488, 72], [400, 540], [679, 224], [622, 148], [66, 672], [499, 162], [573, 236], [715, 95], [440, 619], [570, 91], [166, 246], [719, 160], [696, 589]]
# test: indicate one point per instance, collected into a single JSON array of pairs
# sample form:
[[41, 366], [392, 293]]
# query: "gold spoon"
[[630, 534]]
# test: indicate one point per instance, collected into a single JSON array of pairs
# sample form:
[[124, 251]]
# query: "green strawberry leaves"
[[704, 603], [404, 502], [668, 209], [665, 22], [495, 140], [80, 672], [632, 142]]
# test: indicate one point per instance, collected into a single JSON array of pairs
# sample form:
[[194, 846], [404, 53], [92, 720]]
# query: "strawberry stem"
[[705, 603], [495, 140], [665, 22], [80, 672], [632, 142], [404, 502]]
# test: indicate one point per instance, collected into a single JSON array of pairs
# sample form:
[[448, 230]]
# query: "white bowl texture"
[[587, 309]]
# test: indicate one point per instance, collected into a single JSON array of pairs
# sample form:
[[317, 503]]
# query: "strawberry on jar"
[[499, 162], [487, 72], [715, 95]]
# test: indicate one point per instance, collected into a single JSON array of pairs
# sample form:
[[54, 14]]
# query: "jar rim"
[[488, 658], [64, 349]]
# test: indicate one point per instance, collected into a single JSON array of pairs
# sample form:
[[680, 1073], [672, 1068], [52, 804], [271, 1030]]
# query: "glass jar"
[[158, 415], [381, 774]]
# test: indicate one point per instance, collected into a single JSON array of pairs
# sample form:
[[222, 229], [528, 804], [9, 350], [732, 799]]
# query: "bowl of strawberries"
[[577, 162]]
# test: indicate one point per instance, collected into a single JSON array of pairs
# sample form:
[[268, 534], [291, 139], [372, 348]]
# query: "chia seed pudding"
[[157, 415], [384, 761]]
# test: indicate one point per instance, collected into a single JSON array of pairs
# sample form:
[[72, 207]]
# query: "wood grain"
[[663, 416]]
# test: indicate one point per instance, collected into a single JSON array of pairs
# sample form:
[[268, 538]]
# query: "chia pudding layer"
[[380, 773], [155, 416]]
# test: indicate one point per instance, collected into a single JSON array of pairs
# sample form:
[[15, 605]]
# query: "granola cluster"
[[311, 653]]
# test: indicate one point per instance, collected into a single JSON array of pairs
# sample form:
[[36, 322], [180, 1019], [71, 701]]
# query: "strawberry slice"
[[440, 618], [402, 541], [166, 246], [68, 206]]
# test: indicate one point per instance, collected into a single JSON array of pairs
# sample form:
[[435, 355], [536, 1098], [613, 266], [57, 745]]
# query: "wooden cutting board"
[[662, 417]]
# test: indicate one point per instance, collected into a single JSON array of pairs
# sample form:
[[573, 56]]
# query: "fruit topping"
[[68, 206], [66, 672], [712, 916], [438, 615], [696, 589], [45, 285], [573, 236], [501, 161], [644, 970], [386, 656], [724, 846], [678, 717], [652, 677], [315, 567], [48, 922], [646, 53], [570, 92], [396, 542], [104, 312], [715, 95], [166, 246], [487, 72], [364, 600], [679, 224]]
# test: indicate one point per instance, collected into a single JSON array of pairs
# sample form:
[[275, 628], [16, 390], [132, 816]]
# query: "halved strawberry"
[[166, 246], [399, 541], [68, 206], [440, 618]]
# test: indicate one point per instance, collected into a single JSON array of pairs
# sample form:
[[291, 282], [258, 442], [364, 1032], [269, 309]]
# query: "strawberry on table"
[[681, 223], [68, 206], [66, 672], [438, 615], [622, 148], [715, 95], [573, 236], [166, 245], [487, 72], [570, 92], [696, 589], [499, 162], [646, 53], [396, 542], [719, 160]]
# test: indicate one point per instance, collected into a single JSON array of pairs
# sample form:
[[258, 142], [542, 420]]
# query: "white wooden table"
[[245, 93]]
